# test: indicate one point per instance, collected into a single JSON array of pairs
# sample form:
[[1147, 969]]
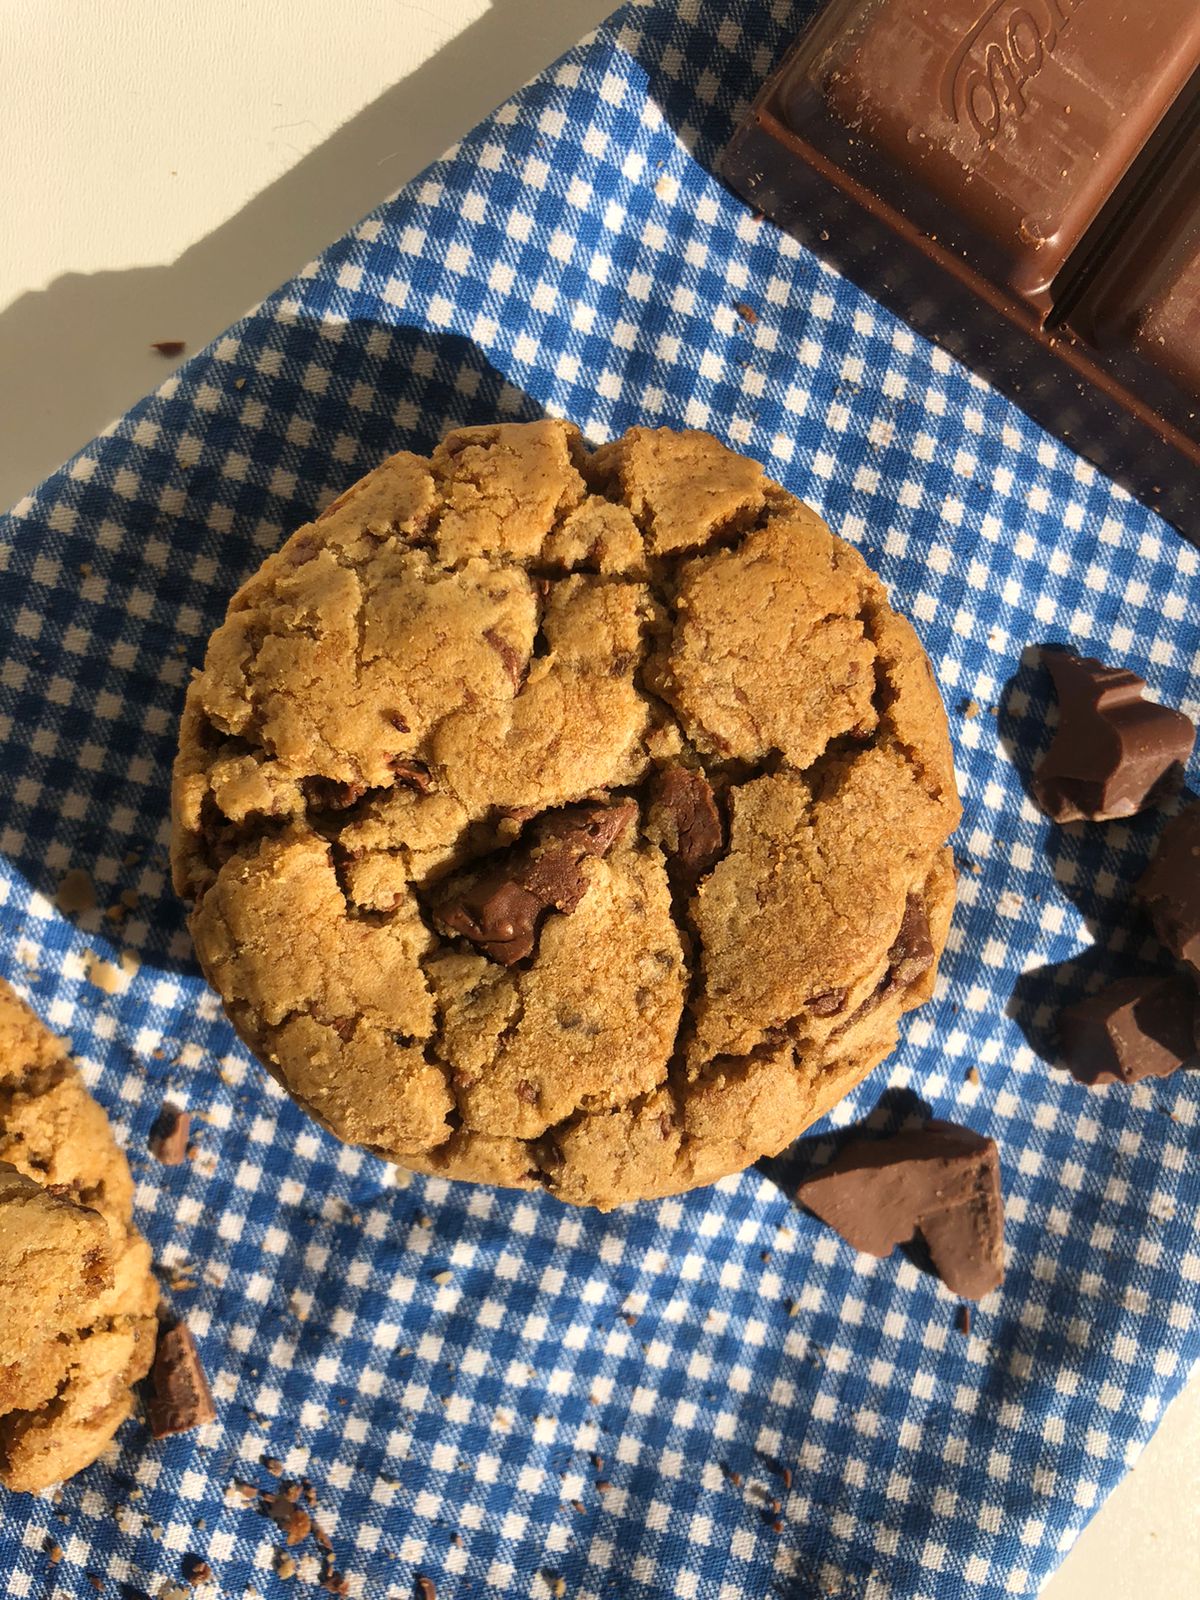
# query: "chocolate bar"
[[1020, 179]]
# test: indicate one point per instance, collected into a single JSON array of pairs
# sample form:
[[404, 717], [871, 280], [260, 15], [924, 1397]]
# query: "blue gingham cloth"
[[441, 1361]]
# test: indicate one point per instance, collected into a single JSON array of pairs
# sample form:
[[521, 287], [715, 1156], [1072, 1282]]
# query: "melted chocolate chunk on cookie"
[[1135, 1028], [500, 911], [1114, 753], [684, 815], [941, 1181], [912, 952]]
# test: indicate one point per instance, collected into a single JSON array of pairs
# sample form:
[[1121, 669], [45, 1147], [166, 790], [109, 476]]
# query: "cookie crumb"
[[196, 1570], [971, 710], [972, 1076], [747, 313]]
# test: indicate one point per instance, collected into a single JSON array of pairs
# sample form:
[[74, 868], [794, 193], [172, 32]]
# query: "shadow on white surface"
[[77, 354]]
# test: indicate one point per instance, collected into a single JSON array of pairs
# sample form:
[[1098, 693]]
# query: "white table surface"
[[165, 166]]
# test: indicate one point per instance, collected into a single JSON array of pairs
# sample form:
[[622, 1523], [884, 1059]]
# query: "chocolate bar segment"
[[1017, 178], [1010, 127]]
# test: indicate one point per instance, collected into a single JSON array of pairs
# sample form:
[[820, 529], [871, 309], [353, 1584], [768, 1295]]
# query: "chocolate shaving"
[[500, 910], [169, 1134], [684, 809], [1114, 753], [942, 1181], [1135, 1028], [180, 1398], [1170, 887]]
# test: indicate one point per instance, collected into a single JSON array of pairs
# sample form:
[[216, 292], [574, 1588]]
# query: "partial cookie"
[[74, 1271], [566, 819]]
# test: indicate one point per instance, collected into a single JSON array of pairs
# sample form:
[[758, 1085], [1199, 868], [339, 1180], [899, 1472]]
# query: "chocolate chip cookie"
[[78, 1325], [566, 818]]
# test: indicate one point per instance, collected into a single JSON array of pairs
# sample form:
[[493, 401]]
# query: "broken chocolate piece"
[[180, 1398], [169, 1135], [1170, 887], [1135, 1028], [942, 1181], [501, 910], [1114, 753], [684, 815]]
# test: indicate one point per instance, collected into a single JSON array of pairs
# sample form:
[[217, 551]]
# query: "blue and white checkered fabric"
[[575, 256]]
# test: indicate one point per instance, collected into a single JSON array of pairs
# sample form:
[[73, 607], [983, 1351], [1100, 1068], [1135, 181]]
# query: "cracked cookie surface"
[[80, 1298], [566, 818]]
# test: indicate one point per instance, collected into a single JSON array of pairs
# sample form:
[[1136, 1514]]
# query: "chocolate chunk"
[[328, 794], [500, 910], [179, 1394], [169, 1135], [829, 1003], [942, 1181], [415, 774], [1135, 1028], [912, 953], [1170, 887], [684, 812], [1114, 753]]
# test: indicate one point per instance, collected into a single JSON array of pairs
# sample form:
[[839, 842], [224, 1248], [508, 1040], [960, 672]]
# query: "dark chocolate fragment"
[[1135, 1028], [942, 1181], [1170, 887], [180, 1398], [1114, 753], [684, 815], [500, 910], [169, 1135]]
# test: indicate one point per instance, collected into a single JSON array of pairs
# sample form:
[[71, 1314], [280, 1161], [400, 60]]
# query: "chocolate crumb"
[[426, 1589], [603, 1485], [169, 347], [747, 313], [169, 1135], [962, 1321], [777, 1526], [195, 1570], [180, 1398], [273, 1465], [54, 1554]]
